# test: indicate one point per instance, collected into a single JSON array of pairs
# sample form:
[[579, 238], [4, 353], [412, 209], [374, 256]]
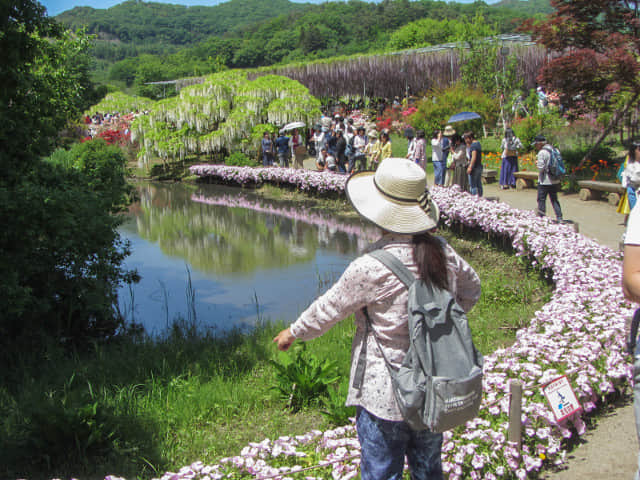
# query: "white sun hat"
[[394, 197]]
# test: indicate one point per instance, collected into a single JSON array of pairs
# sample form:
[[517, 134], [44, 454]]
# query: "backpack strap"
[[394, 264]]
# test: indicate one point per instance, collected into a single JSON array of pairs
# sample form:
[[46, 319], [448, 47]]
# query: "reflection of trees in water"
[[219, 235]]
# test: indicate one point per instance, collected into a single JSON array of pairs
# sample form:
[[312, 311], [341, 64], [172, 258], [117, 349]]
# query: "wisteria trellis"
[[580, 332]]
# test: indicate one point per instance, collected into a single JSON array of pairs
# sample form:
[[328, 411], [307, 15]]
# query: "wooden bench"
[[593, 190], [525, 179], [489, 176]]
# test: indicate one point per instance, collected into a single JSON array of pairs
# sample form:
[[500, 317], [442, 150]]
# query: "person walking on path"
[[510, 146], [395, 199], [547, 184]]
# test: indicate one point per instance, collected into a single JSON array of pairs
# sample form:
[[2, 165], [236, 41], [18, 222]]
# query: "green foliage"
[[73, 425], [60, 252], [239, 159], [538, 123], [253, 33], [434, 111], [333, 405], [302, 377]]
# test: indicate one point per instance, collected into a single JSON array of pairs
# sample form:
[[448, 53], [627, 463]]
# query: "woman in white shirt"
[[395, 199]]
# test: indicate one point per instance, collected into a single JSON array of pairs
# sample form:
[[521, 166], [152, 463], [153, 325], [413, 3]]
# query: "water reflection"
[[243, 253]]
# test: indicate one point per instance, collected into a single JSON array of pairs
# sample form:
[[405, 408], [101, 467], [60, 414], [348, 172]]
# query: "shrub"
[[239, 159], [434, 111], [62, 257]]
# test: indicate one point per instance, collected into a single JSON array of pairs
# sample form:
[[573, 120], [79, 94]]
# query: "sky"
[[54, 7]]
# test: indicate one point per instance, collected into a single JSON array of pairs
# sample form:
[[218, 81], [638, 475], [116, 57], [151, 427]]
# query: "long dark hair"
[[428, 253]]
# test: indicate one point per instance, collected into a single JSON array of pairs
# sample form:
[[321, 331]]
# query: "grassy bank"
[[138, 407]]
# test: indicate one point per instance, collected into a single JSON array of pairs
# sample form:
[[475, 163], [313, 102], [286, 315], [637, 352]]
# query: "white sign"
[[561, 398]]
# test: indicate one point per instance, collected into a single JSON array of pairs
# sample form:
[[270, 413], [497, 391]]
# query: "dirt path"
[[610, 450]]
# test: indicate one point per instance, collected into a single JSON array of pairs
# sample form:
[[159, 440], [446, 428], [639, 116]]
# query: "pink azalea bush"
[[579, 333]]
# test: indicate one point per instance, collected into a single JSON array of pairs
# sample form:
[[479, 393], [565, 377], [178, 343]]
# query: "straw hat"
[[449, 131], [372, 134], [394, 197]]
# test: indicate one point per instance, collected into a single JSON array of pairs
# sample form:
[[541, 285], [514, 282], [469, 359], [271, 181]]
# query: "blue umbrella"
[[462, 116]]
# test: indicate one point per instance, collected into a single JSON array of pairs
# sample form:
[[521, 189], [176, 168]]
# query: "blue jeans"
[[552, 192], [384, 445], [475, 181], [439, 170]]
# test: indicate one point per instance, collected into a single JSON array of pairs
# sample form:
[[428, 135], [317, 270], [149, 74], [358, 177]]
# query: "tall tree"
[[596, 59], [60, 252]]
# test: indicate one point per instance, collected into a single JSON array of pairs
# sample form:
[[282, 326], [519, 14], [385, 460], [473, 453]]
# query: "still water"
[[226, 258]]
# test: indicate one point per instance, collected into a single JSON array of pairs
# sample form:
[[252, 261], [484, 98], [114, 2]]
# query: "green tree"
[[60, 252]]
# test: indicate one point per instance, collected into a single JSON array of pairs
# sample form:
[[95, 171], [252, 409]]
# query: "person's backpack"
[[555, 168], [439, 384]]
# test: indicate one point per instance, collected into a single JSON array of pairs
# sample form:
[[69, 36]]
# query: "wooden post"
[[515, 413]]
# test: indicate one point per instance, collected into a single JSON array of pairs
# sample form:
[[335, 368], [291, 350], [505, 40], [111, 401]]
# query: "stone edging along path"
[[580, 332]]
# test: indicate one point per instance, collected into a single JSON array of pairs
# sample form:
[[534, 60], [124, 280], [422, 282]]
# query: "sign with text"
[[561, 398]]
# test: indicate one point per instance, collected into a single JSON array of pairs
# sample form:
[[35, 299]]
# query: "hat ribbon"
[[425, 202]]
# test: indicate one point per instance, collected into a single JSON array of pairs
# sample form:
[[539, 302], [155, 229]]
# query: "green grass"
[[138, 407]]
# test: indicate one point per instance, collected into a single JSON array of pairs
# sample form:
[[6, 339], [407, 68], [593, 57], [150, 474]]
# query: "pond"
[[225, 258]]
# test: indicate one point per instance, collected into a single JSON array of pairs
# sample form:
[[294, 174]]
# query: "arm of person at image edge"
[[366, 282], [542, 160], [631, 261], [476, 154]]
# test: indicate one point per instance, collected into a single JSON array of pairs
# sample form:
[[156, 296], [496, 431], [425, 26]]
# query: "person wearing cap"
[[395, 199], [547, 184]]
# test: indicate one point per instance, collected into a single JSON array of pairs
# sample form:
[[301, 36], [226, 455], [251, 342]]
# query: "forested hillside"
[[139, 42]]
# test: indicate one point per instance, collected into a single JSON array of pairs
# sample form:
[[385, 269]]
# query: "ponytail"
[[428, 254]]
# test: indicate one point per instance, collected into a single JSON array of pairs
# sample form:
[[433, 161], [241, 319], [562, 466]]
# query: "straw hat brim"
[[391, 215]]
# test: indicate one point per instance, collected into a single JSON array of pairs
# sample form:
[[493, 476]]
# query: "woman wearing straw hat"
[[394, 198]]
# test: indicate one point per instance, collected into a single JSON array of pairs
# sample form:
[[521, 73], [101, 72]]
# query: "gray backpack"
[[439, 384]]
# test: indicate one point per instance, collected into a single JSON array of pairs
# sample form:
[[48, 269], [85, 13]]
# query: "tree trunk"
[[614, 121]]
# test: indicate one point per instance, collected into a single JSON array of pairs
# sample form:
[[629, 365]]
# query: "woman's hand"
[[284, 339]]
